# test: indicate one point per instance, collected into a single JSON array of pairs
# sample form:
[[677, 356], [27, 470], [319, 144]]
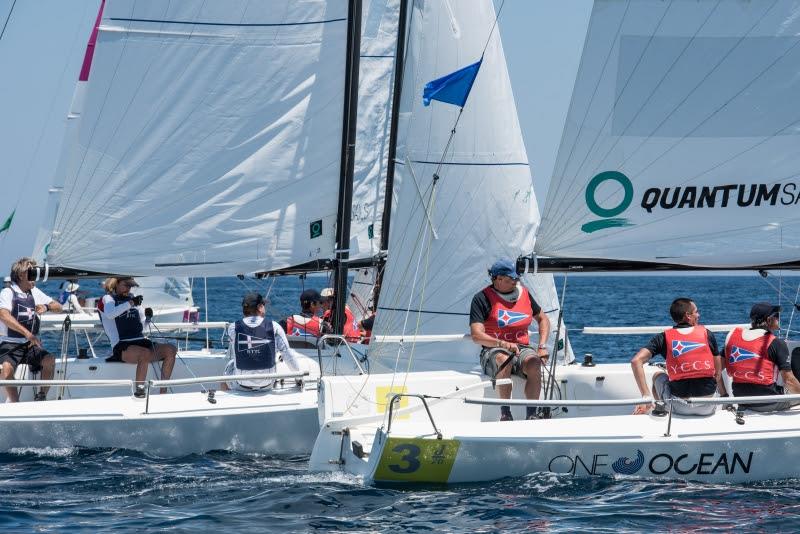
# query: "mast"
[[399, 56], [347, 162]]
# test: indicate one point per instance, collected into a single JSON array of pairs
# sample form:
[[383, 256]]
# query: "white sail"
[[210, 139], [681, 140], [41, 49], [376, 78], [484, 206]]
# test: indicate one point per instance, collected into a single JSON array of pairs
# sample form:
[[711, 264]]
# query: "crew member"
[[20, 306], [307, 322], [694, 365], [754, 357], [351, 330], [123, 320], [69, 297], [256, 345], [499, 318]]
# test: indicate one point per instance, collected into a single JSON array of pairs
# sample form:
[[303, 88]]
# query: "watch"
[[540, 347]]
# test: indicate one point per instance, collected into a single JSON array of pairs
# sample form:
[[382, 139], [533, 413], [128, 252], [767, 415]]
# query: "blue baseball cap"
[[504, 267]]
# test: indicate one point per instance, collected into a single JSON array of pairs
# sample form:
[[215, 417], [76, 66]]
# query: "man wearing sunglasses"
[[755, 357]]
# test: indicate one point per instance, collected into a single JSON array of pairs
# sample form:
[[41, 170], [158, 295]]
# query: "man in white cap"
[[499, 318], [351, 331], [755, 357], [69, 297]]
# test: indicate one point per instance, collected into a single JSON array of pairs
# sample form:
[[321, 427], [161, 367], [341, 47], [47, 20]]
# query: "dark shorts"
[[489, 360], [120, 347], [17, 353]]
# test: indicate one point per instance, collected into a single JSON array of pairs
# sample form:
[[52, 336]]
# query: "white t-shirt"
[[6, 299]]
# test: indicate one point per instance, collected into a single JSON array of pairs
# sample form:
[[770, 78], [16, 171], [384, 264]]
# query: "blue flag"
[[453, 88]]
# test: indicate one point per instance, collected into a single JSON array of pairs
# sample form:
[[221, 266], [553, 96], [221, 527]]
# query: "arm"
[[291, 357], [479, 336], [544, 331], [637, 365], [45, 303], [76, 306], [13, 324], [112, 310], [790, 382]]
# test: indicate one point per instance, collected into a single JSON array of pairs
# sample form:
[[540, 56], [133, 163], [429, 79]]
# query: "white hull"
[[476, 447], [282, 421]]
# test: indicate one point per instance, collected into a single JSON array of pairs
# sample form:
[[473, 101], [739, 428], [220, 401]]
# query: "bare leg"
[[533, 370], [141, 357], [503, 390], [48, 370], [7, 373], [166, 353]]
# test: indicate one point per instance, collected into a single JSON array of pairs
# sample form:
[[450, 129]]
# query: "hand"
[[510, 347], [41, 308], [642, 409], [35, 341], [137, 300], [543, 353]]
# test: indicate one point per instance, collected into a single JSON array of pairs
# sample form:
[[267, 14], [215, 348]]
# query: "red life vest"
[[688, 355], [297, 325], [747, 362], [351, 330], [508, 321]]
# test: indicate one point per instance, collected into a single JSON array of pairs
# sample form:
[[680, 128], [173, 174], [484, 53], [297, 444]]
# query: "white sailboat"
[[190, 161], [676, 154]]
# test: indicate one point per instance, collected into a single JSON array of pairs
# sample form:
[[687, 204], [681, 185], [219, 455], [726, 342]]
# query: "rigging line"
[[5, 24], [791, 316], [491, 31], [584, 57], [694, 89]]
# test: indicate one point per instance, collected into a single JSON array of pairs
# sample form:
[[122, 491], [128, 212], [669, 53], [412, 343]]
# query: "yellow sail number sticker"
[[416, 460]]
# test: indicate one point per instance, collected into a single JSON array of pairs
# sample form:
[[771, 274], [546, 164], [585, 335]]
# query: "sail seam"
[[228, 24]]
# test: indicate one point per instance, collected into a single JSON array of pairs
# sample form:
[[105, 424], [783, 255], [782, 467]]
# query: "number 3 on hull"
[[416, 460]]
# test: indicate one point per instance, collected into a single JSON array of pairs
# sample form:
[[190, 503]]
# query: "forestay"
[[41, 49], [681, 140], [484, 206], [210, 140]]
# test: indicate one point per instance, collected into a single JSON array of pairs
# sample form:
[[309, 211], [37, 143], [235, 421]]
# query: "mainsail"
[[484, 206], [210, 139], [680, 145], [41, 49]]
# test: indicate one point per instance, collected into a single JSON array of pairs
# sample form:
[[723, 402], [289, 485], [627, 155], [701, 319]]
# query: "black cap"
[[762, 310], [252, 300], [310, 295]]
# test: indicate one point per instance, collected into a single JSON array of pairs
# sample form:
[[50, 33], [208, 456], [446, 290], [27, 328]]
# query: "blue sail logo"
[[508, 317]]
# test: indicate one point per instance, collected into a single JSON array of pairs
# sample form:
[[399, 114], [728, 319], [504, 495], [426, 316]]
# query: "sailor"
[[256, 345], [307, 322], [351, 330], [755, 357], [20, 307], [69, 297], [694, 365], [123, 320], [499, 318]]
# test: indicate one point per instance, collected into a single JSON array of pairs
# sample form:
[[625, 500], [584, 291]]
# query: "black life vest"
[[254, 346], [23, 309]]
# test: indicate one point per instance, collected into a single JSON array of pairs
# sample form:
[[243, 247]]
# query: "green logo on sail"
[[610, 219], [6, 225]]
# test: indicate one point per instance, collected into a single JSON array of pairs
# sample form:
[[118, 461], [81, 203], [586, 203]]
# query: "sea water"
[[88, 490]]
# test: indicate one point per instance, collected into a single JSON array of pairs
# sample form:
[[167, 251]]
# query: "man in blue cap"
[[499, 319]]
